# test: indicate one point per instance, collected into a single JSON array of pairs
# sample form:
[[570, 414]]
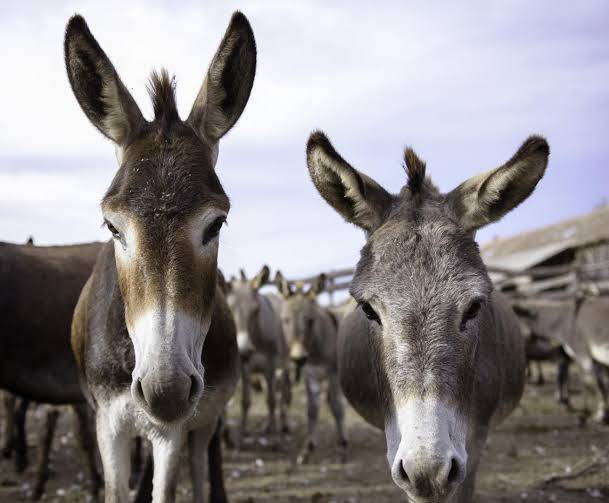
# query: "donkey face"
[[244, 304], [423, 288], [165, 207], [298, 315]]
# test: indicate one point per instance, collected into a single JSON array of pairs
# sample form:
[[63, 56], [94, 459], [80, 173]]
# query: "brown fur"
[[152, 331]]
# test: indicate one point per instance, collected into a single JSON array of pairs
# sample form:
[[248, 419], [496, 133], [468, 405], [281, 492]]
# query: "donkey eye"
[[113, 230], [370, 313], [213, 230], [471, 312]]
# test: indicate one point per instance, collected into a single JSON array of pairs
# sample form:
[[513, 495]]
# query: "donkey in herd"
[[152, 333], [579, 325], [432, 355], [262, 346], [310, 332], [40, 287]]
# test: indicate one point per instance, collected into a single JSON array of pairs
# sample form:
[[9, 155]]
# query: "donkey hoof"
[[602, 416]]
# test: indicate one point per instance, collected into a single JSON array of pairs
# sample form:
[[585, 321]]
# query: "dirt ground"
[[539, 440]]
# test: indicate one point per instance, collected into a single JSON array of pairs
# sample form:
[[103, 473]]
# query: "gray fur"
[[262, 346], [421, 274], [310, 332], [580, 325]]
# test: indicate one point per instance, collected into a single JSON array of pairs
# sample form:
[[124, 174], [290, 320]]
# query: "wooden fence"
[[558, 281]]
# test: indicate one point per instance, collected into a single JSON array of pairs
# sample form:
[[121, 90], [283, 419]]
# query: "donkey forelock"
[[161, 89]]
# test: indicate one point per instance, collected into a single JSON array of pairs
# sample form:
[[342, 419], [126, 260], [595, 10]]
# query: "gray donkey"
[[432, 355], [580, 326], [310, 331], [262, 346]]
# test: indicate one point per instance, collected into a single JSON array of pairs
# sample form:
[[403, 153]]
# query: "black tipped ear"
[[228, 84], [99, 91], [261, 278], [357, 197], [487, 197], [318, 285], [243, 275], [283, 285]]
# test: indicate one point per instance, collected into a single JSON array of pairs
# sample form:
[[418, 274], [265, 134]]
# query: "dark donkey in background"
[[152, 333], [40, 287], [432, 355]]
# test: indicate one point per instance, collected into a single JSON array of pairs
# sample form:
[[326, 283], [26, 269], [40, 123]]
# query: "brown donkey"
[[432, 355], [152, 333], [40, 287]]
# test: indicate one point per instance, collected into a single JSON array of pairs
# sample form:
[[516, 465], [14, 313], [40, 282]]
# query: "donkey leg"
[[313, 386], [245, 397], [166, 450], [21, 458], [217, 491], [198, 451], [42, 466], [286, 399], [89, 446], [602, 380], [8, 400], [562, 379], [336, 406], [114, 450], [269, 375], [540, 378], [197, 460]]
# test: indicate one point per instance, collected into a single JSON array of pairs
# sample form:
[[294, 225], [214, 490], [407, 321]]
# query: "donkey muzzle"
[[168, 397], [428, 459]]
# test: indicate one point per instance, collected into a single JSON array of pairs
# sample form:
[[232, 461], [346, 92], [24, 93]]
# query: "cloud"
[[463, 86]]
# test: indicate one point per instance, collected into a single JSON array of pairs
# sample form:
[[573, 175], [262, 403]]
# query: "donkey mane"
[[161, 89]]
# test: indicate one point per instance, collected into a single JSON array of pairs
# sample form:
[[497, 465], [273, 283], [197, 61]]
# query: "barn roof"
[[533, 247]]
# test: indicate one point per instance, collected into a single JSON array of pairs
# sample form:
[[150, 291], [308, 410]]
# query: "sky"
[[463, 83]]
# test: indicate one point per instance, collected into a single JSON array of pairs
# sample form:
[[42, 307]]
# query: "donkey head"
[[165, 206], [423, 289], [244, 303], [298, 314]]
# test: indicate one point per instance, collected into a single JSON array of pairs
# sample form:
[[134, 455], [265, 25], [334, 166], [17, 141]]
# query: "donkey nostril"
[[403, 473], [455, 472], [194, 388]]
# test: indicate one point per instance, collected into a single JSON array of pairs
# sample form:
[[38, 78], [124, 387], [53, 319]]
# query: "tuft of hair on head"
[[415, 169], [162, 91]]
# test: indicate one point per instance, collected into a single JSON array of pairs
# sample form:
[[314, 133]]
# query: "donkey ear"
[[243, 275], [357, 197], [228, 83], [261, 278], [102, 96], [318, 285], [487, 197], [282, 285]]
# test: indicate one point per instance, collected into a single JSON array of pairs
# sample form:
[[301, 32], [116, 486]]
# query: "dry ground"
[[537, 441]]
